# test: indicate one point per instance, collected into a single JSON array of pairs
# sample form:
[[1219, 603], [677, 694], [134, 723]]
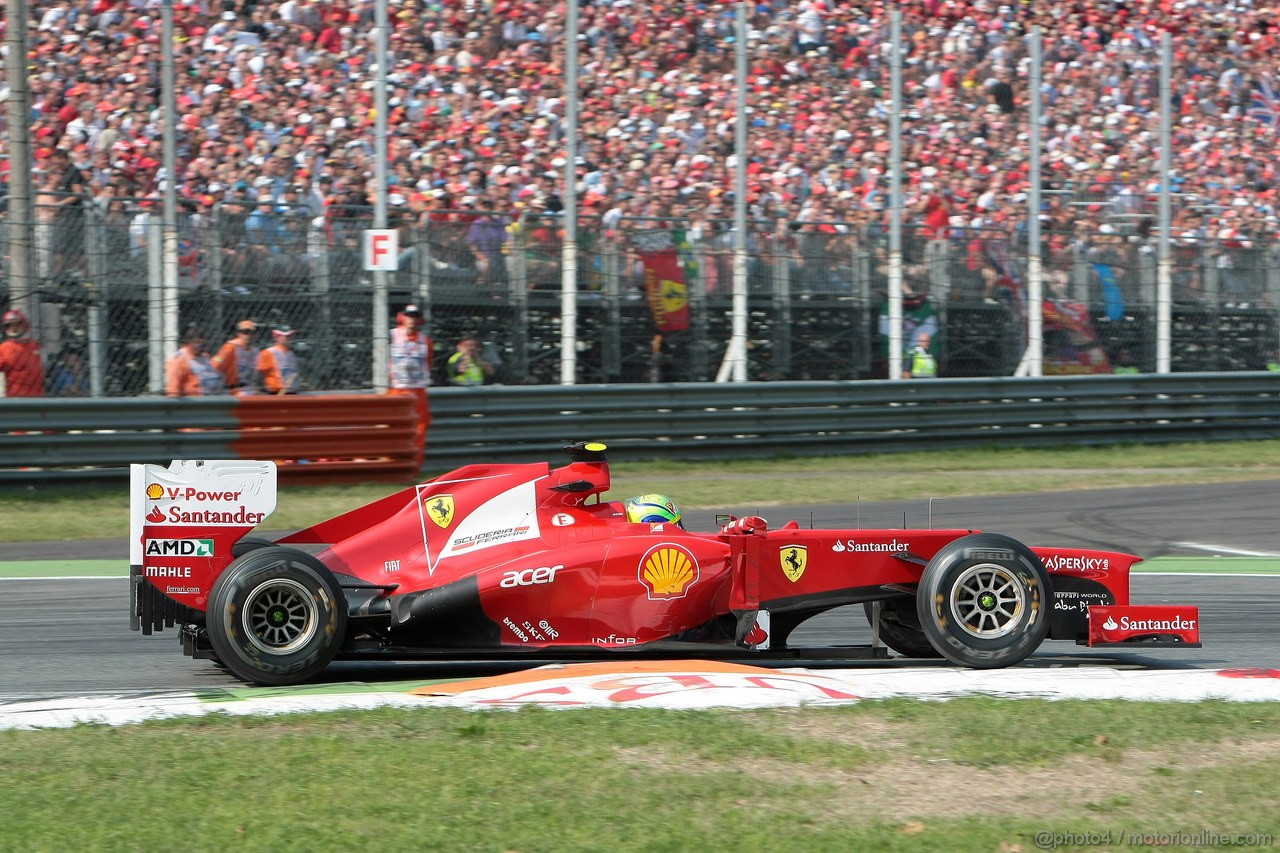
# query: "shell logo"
[[667, 572], [155, 491]]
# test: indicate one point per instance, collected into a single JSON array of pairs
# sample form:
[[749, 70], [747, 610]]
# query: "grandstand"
[[275, 161]]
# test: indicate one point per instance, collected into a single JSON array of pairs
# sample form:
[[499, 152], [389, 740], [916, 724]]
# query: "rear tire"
[[245, 544], [900, 630], [984, 601], [276, 616]]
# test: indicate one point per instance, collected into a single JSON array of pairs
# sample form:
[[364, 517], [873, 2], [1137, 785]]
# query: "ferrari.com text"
[[1046, 840]]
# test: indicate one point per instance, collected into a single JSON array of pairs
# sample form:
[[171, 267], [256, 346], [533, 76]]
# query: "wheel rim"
[[280, 616], [987, 601]]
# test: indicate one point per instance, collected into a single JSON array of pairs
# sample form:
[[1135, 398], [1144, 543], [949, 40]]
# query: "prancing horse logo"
[[793, 558], [440, 509]]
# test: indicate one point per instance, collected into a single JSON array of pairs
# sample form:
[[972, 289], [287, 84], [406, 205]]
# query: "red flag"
[[667, 290]]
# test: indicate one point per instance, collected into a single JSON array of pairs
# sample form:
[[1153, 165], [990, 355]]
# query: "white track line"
[[1224, 549], [1203, 575]]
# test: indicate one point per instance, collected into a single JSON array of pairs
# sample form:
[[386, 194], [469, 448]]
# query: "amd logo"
[[179, 548]]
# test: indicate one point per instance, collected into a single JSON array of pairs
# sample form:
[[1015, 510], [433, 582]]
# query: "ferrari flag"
[[668, 270]]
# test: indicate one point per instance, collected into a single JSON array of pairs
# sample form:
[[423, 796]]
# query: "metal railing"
[[95, 439]]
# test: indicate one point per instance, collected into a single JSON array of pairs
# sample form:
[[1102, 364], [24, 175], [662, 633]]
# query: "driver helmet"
[[653, 508]]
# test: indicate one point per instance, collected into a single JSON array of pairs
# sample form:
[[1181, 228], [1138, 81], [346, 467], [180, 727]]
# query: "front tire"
[[984, 601], [276, 616]]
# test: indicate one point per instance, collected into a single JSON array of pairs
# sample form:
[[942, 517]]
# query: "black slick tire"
[[276, 616], [984, 601]]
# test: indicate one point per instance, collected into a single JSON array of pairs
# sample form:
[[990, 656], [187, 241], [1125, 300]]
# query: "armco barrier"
[[701, 421], [315, 439], [73, 439], [331, 437]]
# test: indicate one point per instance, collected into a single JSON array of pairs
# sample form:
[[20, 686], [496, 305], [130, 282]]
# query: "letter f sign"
[[381, 249]]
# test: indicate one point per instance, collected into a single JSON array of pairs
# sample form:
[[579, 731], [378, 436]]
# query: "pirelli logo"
[[994, 554]]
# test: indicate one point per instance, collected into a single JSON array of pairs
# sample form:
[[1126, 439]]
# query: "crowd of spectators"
[[276, 107]]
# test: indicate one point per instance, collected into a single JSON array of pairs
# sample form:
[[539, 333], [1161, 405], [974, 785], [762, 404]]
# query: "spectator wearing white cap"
[[278, 363], [411, 354]]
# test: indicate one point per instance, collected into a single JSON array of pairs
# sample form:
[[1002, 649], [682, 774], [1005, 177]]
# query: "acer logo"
[[530, 577]]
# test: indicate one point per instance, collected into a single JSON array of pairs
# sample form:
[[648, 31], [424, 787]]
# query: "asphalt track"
[[70, 635]]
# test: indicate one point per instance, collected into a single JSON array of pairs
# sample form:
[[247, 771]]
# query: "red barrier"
[[333, 438]]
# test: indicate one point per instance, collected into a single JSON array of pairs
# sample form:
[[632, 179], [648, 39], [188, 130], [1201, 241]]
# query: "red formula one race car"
[[505, 561]]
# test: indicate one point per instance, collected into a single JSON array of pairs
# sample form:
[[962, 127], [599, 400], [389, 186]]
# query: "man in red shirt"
[[20, 360]]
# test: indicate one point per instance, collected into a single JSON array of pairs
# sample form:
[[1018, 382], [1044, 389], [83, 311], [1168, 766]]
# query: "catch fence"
[[654, 295]]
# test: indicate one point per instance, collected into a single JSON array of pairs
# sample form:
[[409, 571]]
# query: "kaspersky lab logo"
[[179, 548]]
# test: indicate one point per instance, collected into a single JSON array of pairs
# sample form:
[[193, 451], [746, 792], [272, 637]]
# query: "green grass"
[[970, 774], [80, 512]]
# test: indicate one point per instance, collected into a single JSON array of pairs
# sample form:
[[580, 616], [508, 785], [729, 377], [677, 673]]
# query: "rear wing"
[[184, 520]]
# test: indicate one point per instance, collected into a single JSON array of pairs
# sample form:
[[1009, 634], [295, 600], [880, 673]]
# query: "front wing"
[[1150, 625]]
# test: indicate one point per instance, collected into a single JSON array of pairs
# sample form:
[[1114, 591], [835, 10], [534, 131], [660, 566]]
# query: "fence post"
[[698, 307], [95, 287], [209, 237], [1080, 273], [519, 285], [611, 345], [781, 294], [1273, 298], [155, 304], [1210, 254], [1272, 261], [1147, 275], [862, 289], [321, 282], [423, 268]]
